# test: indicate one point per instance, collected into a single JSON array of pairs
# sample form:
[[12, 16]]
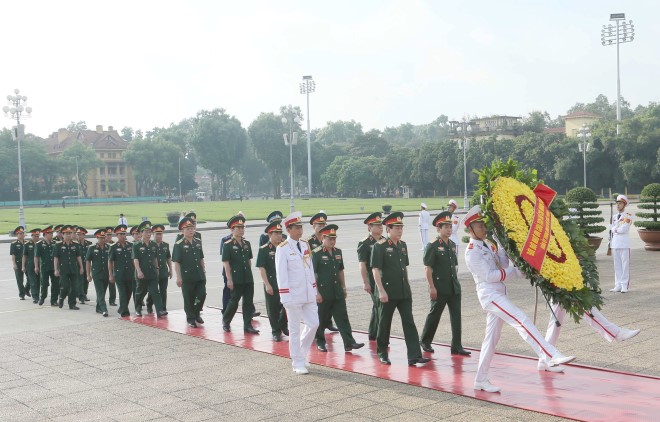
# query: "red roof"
[[106, 140], [554, 130]]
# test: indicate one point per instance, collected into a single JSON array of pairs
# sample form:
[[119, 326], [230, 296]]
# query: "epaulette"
[[366, 239], [451, 242], [381, 241], [178, 241], [39, 241], [471, 246], [15, 241], [318, 248], [265, 245], [229, 241], [76, 242], [58, 241], [283, 243]]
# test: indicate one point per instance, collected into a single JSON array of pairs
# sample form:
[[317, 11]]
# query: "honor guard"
[[43, 266], [331, 289], [145, 261], [112, 289], [423, 224], [120, 268], [164, 266], [16, 253], [266, 265], [620, 244], [96, 263], [188, 259], [68, 267], [455, 223], [375, 226], [27, 265], [83, 284], [440, 263], [389, 259]]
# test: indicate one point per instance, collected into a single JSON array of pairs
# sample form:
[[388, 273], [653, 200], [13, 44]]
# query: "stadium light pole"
[[583, 147], [463, 128], [307, 86], [291, 139], [15, 110], [617, 34]]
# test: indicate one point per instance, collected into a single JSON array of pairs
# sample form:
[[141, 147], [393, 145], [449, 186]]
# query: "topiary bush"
[[649, 200], [583, 209]]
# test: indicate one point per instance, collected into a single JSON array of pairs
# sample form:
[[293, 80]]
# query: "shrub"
[[649, 200], [583, 208]]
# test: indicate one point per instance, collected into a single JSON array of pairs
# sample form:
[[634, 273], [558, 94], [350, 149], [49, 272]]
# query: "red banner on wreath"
[[538, 238]]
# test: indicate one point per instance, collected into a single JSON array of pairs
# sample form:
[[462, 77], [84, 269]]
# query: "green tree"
[[369, 144], [339, 132], [74, 127], [86, 159]]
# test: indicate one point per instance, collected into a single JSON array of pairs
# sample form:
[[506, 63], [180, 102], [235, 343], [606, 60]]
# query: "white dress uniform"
[[620, 245], [424, 223], [489, 266], [455, 223], [297, 288]]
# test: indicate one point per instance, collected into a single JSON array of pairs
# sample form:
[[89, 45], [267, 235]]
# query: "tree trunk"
[[277, 186]]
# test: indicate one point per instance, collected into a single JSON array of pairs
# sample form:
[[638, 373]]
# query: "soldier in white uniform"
[[620, 245], [489, 266], [455, 223], [297, 287], [424, 223]]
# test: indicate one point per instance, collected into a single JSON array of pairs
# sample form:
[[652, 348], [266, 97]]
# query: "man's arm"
[[282, 273], [433, 293]]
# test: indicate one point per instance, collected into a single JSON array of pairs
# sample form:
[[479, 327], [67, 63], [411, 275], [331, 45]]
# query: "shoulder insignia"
[[318, 248], [471, 246], [265, 246], [229, 241], [451, 243], [283, 243], [76, 242], [178, 241], [381, 241], [39, 241], [366, 239]]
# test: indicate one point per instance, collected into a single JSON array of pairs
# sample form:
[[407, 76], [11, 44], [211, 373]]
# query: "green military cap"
[[192, 216], [186, 222], [35, 232], [109, 230], [236, 221], [394, 219], [374, 218], [133, 230], [275, 215], [122, 228], [48, 229], [158, 228], [442, 218], [19, 229], [145, 225], [319, 217], [66, 229], [275, 226], [81, 230], [99, 233], [57, 228], [330, 230]]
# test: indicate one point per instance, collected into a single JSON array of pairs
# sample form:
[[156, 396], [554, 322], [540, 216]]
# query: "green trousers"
[[33, 280], [194, 295], [112, 289], [48, 279], [404, 306], [101, 286], [246, 292], [143, 286], [335, 308], [453, 302], [69, 288], [373, 322], [23, 287], [162, 289], [276, 313], [125, 290]]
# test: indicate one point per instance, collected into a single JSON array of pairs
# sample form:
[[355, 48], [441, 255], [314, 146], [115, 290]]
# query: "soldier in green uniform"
[[83, 284], [193, 217], [273, 216], [331, 293], [266, 265], [318, 221], [440, 263], [375, 226], [16, 253], [145, 261], [188, 259], [43, 266], [57, 233], [27, 264], [389, 259], [96, 263], [236, 258], [164, 266], [112, 295], [68, 267], [120, 269]]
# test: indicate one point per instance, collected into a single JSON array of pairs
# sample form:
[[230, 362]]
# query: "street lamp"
[[584, 146], [463, 128], [16, 110], [617, 34], [307, 86], [291, 139]]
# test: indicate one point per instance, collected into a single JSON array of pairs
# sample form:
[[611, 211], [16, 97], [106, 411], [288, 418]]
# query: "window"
[[121, 169], [103, 186]]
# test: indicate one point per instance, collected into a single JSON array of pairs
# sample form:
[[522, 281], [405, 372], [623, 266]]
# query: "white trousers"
[[621, 267], [596, 320], [502, 310], [299, 342], [424, 235]]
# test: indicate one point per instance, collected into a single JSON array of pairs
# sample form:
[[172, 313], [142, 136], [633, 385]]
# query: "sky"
[[147, 64]]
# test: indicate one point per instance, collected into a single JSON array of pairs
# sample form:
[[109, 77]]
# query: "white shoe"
[[307, 364], [542, 366], [625, 334], [560, 359], [301, 371], [486, 386], [624, 290], [616, 289]]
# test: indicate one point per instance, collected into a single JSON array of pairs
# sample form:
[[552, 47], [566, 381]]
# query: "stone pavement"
[[75, 365]]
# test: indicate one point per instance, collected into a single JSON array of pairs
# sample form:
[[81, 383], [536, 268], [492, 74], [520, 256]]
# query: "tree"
[[602, 107], [536, 122], [127, 133], [339, 132], [369, 144], [86, 159], [74, 127], [358, 175], [220, 142]]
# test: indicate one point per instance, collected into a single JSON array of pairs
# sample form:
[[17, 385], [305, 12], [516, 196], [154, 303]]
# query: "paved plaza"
[[60, 365]]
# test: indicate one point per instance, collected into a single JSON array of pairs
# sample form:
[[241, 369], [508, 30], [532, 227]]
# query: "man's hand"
[[15, 266], [112, 280], [169, 273], [366, 287], [230, 284], [89, 278], [57, 273], [140, 275], [345, 294], [82, 271], [269, 290], [433, 293], [383, 297], [36, 270], [178, 282], [319, 298]]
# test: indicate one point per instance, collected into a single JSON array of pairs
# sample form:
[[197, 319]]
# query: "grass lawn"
[[95, 216]]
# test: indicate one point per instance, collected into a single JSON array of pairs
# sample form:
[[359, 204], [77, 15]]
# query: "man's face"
[[620, 206], [275, 237], [136, 236], [318, 226], [100, 241], [48, 236], [108, 237], [444, 230], [35, 237], [329, 241], [376, 230], [81, 237], [158, 237], [295, 231], [478, 230], [68, 236], [121, 237], [146, 235], [20, 236], [395, 232], [189, 231], [238, 232], [451, 208]]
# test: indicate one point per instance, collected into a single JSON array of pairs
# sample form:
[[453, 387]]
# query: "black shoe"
[[384, 360], [413, 362], [98, 312], [332, 328], [138, 313], [53, 304], [372, 338], [60, 303], [28, 294], [256, 314], [461, 352], [105, 314], [163, 313], [192, 324], [198, 320], [85, 298], [277, 338], [41, 302], [251, 330], [22, 297], [150, 309], [73, 308], [353, 346], [113, 304], [427, 347], [125, 314], [285, 331], [321, 348], [226, 328], [35, 301]]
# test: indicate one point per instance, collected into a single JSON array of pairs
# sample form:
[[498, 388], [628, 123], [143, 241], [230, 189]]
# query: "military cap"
[[236, 221], [66, 229], [452, 202], [622, 198], [192, 216], [275, 226], [145, 225], [442, 218], [374, 218], [109, 230], [319, 217], [330, 230], [58, 227], [275, 215], [394, 219], [35, 232], [19, 229], [293, 219], [423, 205], [122, 228], [48, 229], [158, 228], [81, 230], [99, 233], [133, 230], [473, 215], [186, 222]]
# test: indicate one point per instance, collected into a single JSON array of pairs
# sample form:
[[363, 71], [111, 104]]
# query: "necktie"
[[618, 216], [298, 245]]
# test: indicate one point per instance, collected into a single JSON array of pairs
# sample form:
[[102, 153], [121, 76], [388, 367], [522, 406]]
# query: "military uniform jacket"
[[197, 236], [44, 251], [327, 265], [295, 273], [29, 249], [266, 260], [263, 239], [120, 255], [489, 266], [392, 259], [364, 255], [145, 253], [163, 255], [98, 259], [16, 248], [620, 226], [68, 254], [238, 254], [84, 245], [441, 257], [314, 242], [189, 256]]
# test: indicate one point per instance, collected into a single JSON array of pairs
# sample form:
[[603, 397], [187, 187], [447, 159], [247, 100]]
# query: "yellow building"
[[114, 178], [573, 122]]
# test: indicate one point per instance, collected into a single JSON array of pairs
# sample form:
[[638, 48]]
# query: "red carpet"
[[582, 393]]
